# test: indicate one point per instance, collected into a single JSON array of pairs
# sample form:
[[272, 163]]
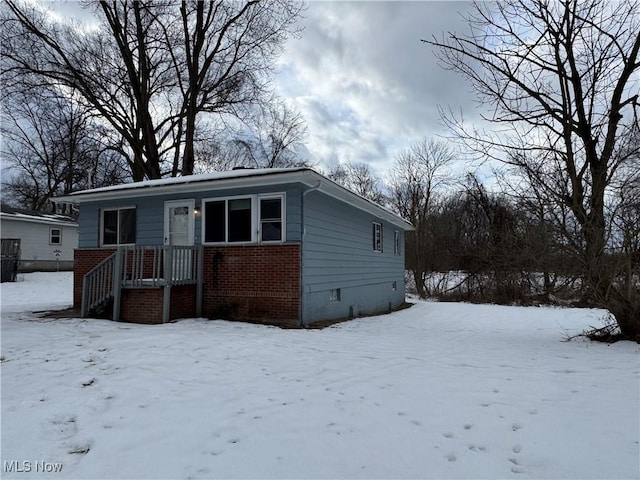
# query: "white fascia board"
[[9, 217], [192, 186], [245, 179]]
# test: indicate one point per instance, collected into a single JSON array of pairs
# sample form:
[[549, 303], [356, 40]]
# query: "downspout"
[[302, 235]]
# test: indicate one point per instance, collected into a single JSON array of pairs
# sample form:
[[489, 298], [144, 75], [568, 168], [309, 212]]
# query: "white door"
[[179, 223]]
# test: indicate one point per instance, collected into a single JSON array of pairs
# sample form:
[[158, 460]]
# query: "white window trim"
[[334, 295], [110, 209], [381, 238], [270, 196], [255, 218], [397, 240], [51, 242]]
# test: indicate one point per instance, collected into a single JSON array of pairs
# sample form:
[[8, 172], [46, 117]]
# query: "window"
[[118, 226], [377, 237], [237, 219], [396, 242], [334, 295], [55, 236], [271, 219]]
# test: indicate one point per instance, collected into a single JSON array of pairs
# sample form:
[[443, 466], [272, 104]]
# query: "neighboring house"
[[47, 241], [286, 247]]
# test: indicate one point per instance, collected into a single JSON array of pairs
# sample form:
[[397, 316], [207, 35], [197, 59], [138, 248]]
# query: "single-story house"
[[284, 246], [46, 241]]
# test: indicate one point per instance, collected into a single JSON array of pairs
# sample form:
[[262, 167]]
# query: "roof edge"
[[247, 178]]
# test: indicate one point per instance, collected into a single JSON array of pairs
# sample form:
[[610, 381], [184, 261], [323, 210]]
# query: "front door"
[[178, 231]]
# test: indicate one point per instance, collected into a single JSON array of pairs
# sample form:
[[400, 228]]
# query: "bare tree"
[[229, 47], [52, 147], [559, 80], [361, 179], [153, 68], [416, 176], [274, 139]]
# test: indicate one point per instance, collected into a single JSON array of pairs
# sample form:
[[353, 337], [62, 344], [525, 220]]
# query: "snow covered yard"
[[441, 390]]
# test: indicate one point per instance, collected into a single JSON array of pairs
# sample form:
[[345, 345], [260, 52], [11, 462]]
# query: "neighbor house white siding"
[[37, 251]]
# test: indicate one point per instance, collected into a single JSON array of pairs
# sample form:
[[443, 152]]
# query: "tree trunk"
[[627, 314], [418, 278]]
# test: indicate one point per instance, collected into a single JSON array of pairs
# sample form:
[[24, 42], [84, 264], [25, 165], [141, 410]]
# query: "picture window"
[[118, 226], [255, 218]]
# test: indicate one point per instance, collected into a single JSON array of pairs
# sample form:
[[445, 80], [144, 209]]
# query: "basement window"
[[334, 295]]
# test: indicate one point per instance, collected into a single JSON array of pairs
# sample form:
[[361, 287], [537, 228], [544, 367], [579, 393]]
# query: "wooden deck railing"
[[140, 267], [97, 285]]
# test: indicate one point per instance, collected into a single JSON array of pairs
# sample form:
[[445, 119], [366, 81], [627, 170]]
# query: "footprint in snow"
[[448, 435], [477, 448], [467, 426], [452, 457], [515, 427], [79, 448], [62, 426], [516, 449]]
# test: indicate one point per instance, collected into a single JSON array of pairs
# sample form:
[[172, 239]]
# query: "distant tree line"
[[475, 244]]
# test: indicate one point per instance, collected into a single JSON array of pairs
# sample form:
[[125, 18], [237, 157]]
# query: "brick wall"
[[84, 260], [183, 302], [253, 282], [141, 305], [144, 305]]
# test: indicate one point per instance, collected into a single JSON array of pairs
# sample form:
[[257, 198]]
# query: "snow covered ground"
[[440, 390]]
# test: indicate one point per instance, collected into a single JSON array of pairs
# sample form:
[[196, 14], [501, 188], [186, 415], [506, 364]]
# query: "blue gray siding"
[[337, 253], [150, 214]]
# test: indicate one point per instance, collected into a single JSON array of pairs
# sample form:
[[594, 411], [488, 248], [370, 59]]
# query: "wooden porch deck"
[[141, 267]]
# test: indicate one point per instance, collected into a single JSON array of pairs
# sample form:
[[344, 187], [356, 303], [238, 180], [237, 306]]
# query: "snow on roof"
[[207, 177], [13, 213], [238, 177]]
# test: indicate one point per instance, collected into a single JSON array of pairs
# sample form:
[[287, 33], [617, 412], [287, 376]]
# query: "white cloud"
[[366, 84]]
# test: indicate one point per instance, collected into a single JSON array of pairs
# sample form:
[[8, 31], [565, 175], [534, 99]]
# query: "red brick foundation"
[[254, 282], [84, 260], [183, 302], [141, 305]]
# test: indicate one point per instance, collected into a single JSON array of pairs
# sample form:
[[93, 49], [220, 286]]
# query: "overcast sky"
[[366, 84]]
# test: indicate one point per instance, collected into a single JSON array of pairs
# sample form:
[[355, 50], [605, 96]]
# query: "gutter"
[[303, 234]]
